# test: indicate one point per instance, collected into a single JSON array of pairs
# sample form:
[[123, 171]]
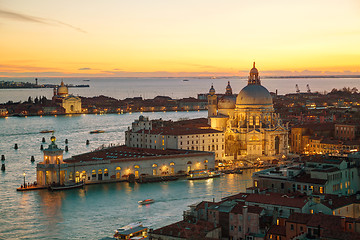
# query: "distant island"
[[10, 84]]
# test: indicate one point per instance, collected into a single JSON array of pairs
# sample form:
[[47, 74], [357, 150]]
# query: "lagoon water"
[[148, 88], [97, 210]]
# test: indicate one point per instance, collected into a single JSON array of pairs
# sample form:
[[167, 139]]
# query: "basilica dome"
[[254, 95], [62, 90], [227, 102]]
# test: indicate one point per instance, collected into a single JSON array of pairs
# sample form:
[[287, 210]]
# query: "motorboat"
[[47, 131], [203, 174], [131, 231], [67, 186], [97, 131], [146, 201]]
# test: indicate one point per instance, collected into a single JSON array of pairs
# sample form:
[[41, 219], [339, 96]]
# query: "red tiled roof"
[[187, 230], [175, 131], [203, 203], [277, 230], [277, 199], [306, 178], [124, 153], [334, 202]]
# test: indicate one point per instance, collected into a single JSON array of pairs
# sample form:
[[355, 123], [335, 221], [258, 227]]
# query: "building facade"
[[252, 128], [193, 134], [117, 163], [70, 103]]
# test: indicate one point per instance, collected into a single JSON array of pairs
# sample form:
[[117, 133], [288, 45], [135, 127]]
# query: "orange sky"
[[84, 38]]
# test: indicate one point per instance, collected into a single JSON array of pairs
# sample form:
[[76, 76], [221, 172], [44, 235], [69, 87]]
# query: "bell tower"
[[212, 102]]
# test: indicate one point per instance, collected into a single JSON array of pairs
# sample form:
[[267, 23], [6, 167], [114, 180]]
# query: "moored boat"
[[67, 186], [131, 231], [146, 201]]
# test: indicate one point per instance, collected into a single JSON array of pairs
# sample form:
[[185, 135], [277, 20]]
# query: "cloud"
[[85, 68], [33, 19]]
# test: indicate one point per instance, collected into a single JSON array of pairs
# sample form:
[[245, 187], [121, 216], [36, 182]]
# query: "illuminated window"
[[257, 121], [255, 183], [172, 164], [77, 174], [189, 162], [118, 169], [206, 161], [321, 189], [93, 173], [311, 211], [106, 172], [71, 176], [136, 166], [251, 121], [154, 165], [277, 221], [100, 171], [57, 160], [163, 143]]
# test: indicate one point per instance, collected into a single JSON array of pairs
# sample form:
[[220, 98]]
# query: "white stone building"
[[252, 128], [193, 134], [117, 163]]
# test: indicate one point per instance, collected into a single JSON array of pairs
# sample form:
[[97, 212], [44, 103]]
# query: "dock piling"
[[16, 146], [2, 157]]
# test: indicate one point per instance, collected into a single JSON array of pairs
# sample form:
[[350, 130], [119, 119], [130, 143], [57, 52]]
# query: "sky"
[[162, 38]]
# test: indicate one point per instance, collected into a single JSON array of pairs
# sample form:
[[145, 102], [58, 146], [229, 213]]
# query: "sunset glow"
[[178, 38]]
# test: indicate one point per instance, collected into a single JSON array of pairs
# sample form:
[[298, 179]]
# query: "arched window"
[[251, 121], [100, 171], [118, 168], [106, 172], [172, 164], [154, 165], [136, 166], [206, 161], [189, 162], [257, 121], [93, 173], [57, 160]]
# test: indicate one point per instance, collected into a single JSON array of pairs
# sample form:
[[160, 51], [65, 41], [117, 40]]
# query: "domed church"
[[252, 128], [70, 103]]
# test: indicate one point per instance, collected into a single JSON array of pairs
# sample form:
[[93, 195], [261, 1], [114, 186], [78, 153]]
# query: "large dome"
[[62, 90], [227, 102], [254, 95]]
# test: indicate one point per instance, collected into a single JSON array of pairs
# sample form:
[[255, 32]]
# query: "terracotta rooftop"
[[187, 230], [239, 208], [277, 199], [124, 153], [334, 201], [306, 178], [277, 230]]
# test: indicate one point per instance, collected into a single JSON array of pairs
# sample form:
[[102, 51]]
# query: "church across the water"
[[252, 128], [70, 103]]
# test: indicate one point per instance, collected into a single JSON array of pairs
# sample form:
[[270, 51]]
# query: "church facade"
[[252, 128], [70, 103]]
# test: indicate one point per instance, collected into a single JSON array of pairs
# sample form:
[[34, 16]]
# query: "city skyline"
[[176, 39]]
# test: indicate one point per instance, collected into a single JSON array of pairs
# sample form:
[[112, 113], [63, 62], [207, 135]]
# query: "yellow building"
[[70, 103]]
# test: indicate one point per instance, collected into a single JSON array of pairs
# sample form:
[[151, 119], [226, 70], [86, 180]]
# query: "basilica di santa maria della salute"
[[238, 127], [251, 126]]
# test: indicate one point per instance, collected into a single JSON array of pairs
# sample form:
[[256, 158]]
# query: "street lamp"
[[24, 178]]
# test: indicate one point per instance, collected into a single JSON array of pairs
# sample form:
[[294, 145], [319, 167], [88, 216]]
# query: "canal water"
[[97, 210]]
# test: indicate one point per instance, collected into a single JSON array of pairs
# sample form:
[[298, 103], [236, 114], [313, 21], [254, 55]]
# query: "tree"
[[29, 100]]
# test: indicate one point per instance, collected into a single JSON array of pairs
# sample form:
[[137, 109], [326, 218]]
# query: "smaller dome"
[[212, 90], [227, 102], [62, 90]]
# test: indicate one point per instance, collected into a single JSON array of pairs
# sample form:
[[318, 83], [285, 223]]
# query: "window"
[[118, 168], [154, 165], [136, 166], [292, 227], [93, 173], [106, 172]]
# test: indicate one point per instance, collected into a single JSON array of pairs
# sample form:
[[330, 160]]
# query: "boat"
[[97, 131], [131, 231], [67, 186], [86, 80], [47, 131], [146, 201], [186, 80], [203, 174]]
